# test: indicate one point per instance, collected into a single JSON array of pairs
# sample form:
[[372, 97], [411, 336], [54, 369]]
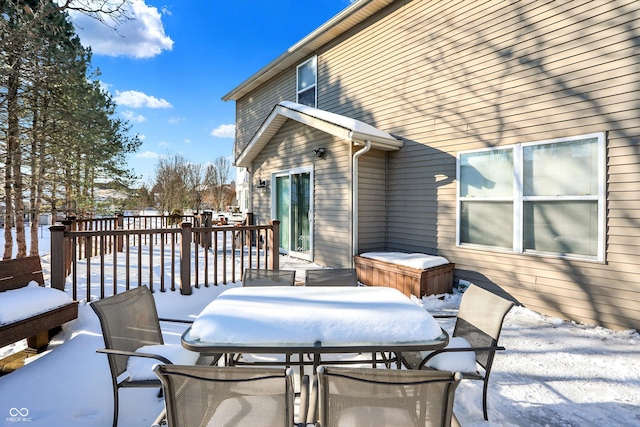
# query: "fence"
[[163, 257]]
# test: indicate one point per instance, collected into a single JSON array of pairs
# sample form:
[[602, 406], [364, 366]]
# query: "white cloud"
[[135, 99], [187, 141], [224, 131], [147, 155], [104, 86], [142, 136], [133, 117], [175, 120], [163, 144], [142, 36]]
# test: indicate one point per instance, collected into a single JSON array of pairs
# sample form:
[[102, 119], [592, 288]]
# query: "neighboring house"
[[243, 182], [501, 135]]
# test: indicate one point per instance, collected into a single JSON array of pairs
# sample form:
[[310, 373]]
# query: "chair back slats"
[[484, 310], [384, 398], [129, 321], [331, 277], [227, 396], [261, 277], [480, 319]]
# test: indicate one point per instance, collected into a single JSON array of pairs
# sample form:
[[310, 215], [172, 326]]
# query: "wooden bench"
[[408, 280], [39, 328]]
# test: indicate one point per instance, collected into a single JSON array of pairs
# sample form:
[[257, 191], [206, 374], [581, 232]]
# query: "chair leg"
[[484, 399], [115, 407]]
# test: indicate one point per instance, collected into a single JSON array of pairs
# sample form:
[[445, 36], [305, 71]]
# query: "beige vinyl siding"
[[254, 108], [332, 198], [461, 75], [372, 203], [467, 75], [292, 147]]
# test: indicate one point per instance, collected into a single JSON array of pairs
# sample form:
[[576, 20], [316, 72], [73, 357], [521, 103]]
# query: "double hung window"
[[307, 82], [544, 197]]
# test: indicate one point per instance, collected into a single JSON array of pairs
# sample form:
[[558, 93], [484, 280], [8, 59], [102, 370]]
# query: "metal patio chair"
[[336, 277], [331, 277], [227, 396], [129, 321], [357, 397], [479, 321], [262, 277]]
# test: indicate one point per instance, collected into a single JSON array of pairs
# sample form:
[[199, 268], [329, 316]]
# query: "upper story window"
[[307, 79], [545, 197]]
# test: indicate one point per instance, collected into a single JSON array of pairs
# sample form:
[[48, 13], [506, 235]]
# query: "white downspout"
[[354, 201]]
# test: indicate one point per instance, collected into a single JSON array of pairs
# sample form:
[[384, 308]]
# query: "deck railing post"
[[70, 224], [119, 238], [57, 256], [274, 245], [207, 222], [185, 259], [249, 236]]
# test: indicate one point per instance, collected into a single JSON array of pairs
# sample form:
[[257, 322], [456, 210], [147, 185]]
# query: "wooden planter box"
[[408, 280]]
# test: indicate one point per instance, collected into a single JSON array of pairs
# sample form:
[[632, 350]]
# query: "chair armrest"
[[134, 354], [451, 350], [444, 316], [304, 400], [312, 412], [159, 422], [165, 319]]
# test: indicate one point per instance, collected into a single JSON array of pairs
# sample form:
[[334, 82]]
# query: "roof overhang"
[[351, 16], [348, 129]]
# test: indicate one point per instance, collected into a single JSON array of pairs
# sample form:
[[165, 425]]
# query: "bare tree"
[[195, 181], [172, 183], [216, 179]]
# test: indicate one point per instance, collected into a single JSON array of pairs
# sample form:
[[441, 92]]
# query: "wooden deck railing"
[[122, 222], [168, 258]]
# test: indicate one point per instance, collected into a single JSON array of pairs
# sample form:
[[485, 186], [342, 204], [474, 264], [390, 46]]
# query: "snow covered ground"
[[553, 373]]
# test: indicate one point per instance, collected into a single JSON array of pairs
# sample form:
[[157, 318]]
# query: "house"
[[504, 136]]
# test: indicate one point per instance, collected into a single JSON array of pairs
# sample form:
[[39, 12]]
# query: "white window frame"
[[313, 59], [519, 199]]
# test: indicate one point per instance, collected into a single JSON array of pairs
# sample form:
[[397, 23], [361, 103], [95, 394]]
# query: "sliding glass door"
[[292, 207]]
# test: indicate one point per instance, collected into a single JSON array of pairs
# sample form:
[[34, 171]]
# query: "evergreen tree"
[[57, 128]]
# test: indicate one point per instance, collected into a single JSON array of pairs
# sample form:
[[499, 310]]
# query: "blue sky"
[[169, 66]]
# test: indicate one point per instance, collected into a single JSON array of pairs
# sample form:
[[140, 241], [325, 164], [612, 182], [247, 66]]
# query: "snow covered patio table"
[[297, 319]]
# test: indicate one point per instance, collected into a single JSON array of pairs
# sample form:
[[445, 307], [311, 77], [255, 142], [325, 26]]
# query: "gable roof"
[[343, 127], [351, 16]]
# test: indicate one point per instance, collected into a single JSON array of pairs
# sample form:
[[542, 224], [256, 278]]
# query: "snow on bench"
[[412, 273], [27, 308]]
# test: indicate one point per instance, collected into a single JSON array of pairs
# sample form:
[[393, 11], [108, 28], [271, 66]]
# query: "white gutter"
[[354, 201]]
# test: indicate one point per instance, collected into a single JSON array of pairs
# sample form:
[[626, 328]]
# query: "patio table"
[[313, 320]]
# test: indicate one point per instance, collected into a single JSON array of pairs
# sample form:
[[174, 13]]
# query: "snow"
[[303, 315], [141, 368], [462, 361], [553, 373], [414, 260], [343, 121], [18, 304]]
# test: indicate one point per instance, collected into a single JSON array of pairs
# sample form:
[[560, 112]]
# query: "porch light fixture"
[[320, 152]]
